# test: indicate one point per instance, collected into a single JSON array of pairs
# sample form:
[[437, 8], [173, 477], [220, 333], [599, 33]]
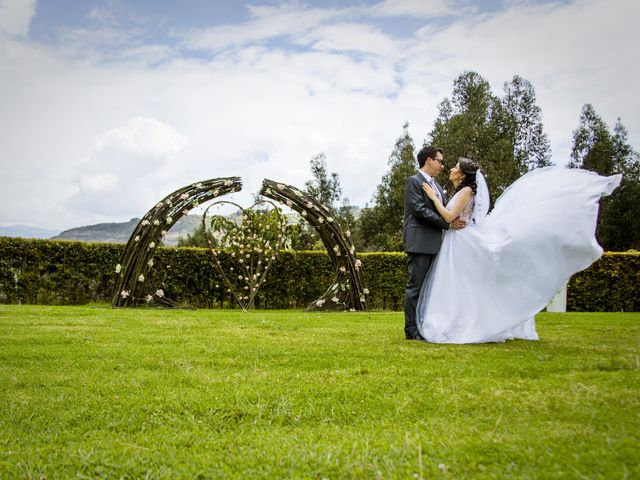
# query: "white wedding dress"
[[490, 279]]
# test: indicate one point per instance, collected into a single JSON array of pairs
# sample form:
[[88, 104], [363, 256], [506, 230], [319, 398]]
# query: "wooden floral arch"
[[134, 285], [347, 288]]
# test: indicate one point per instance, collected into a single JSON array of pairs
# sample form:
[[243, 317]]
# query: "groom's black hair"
[[427, 152]]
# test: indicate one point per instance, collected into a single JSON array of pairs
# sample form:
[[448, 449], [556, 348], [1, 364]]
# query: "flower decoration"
[[133, 277]]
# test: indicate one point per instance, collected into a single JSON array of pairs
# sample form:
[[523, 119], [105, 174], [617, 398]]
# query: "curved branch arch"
[[347, 288], [132, 284]]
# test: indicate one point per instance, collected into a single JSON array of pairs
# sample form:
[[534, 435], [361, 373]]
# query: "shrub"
[[74, 273], [612, 284]]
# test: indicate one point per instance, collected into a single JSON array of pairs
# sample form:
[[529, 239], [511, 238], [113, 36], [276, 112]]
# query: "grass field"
[[101, 393]]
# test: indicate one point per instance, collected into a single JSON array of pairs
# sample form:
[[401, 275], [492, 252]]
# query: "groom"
[[422, 231]]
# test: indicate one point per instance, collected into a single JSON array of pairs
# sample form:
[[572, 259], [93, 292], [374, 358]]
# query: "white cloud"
[[144, 137], [285, 20], [16, 15], [127, 168], [352, 37], [420, 8], [78, 40], [103, 16], [101, 125], [100, 183]]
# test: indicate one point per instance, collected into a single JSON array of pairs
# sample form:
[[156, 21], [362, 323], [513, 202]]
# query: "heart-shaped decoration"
[[253, 239]]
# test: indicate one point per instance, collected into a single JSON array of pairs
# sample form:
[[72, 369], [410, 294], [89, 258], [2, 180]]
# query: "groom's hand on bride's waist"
[[458, 223]]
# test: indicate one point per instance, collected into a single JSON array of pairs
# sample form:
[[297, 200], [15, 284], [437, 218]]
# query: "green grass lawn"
[[101, 393]]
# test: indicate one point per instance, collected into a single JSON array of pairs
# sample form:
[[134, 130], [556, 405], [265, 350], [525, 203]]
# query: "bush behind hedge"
[[73, 273]]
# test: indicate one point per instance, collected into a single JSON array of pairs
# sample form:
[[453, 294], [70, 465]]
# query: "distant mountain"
[[27, 232], [121, 232]]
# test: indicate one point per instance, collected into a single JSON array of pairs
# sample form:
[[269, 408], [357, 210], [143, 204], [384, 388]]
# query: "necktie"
[[433, 185]]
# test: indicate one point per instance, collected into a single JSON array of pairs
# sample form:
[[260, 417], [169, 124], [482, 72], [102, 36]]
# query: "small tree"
[[325, 188], [523, 125], [381, 224], [594, 148], [254, 240], [504, 135], [196, 238]]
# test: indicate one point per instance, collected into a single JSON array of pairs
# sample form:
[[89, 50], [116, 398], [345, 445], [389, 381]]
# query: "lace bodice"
[[467, 213]]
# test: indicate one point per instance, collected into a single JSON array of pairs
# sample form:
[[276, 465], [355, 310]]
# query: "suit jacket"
[[423, 225]]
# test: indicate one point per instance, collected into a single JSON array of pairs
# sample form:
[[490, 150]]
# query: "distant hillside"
[[23, 231], [121, 232]]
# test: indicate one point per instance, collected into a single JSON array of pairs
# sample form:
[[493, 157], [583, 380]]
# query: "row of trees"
[[505, 135]]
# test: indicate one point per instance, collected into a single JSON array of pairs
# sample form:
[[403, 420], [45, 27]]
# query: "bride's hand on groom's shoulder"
[[428, 190]]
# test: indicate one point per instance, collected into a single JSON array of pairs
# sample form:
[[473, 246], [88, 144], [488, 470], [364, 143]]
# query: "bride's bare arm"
[[461, 202]]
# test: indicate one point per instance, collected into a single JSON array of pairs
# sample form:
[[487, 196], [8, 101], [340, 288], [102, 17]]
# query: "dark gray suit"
[[422, 237]]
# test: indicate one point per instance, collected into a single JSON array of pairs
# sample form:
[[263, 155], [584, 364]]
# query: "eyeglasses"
[[439, 160]]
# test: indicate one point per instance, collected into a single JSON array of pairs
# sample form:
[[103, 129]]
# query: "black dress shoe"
[[417, 336]]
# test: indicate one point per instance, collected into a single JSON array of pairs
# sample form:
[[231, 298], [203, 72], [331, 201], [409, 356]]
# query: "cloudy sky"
[[108, 105]]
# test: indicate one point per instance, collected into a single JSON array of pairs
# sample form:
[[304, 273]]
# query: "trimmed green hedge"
[[612, 284], [73, 273]]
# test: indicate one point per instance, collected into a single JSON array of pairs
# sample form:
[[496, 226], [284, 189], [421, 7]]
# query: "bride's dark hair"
[[468, 168]]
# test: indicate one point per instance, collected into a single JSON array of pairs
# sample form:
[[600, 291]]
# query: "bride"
[[491, 278]]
